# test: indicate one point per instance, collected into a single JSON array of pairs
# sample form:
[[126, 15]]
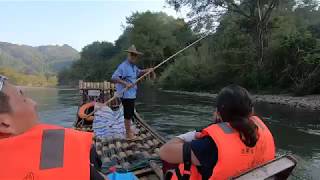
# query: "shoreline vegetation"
[[64, 88], [286, 58], [35, 66], [37, 87], [309, 102], [29, 80]]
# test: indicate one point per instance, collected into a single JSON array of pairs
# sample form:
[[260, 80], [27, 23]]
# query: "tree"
[[99, 51], [255, 17], [291, 48], [157, 35]]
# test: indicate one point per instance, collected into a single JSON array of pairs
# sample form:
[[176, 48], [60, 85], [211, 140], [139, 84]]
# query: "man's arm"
[[120, 81], [143, 71], [116, 78], [172, 152]]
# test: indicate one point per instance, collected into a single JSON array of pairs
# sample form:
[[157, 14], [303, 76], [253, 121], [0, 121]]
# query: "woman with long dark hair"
[[235, 143]]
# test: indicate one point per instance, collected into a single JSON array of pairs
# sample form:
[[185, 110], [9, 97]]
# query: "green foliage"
[[157, 35], [29, 80], [36, 60], [291, 60], [291, 48], [98, 61], [34, 66], [99, 51]]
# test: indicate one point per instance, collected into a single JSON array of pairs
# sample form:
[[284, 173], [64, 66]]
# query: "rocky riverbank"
[[311, 102]]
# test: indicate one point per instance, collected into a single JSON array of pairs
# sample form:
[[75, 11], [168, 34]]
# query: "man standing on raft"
[[124, 77]]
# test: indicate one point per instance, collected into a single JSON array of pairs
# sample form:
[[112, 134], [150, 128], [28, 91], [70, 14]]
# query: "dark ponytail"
[[235, 106], [247, 130]]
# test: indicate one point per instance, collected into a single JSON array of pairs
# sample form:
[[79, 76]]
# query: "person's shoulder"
[[123, 65], [206, 139], [78, 137], [205, 148], [204, 143], [76, 133], [48, 126]]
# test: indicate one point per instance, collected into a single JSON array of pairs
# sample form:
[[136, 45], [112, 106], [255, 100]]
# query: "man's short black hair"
[[4, 103]]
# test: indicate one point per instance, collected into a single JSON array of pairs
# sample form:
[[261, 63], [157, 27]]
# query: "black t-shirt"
[[206, 151], [96, 162]]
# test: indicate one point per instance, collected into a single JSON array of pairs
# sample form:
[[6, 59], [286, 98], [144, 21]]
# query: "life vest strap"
[[178, 173], [52, 149], [225, 128], [186, 161]]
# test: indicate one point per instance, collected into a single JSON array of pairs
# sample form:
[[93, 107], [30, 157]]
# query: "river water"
[[295, 131]]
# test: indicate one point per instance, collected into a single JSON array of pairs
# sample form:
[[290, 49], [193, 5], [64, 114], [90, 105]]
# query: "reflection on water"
[[295, 131], [56, 106]]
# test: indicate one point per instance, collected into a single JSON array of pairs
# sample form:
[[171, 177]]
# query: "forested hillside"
[[156, 34], [268, 46], [41, 59], [35, 66]]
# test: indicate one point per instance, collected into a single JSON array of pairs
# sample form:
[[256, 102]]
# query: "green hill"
[[37, 60]]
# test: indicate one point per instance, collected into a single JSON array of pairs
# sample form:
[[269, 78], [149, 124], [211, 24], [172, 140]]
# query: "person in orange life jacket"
[[237, 142], [29, 149]]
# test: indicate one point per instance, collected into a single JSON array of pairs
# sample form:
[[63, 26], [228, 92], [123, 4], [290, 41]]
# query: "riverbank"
[[65, 88], [36, 87], [311, 102]]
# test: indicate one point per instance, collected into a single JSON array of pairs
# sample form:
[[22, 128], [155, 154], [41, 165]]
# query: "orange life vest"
[[234, 157], [46, 152]]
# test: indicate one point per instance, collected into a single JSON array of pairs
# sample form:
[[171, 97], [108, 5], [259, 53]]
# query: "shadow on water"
[[295, 131]]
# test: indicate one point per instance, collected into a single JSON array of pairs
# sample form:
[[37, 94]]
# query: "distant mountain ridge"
[[34, 60]]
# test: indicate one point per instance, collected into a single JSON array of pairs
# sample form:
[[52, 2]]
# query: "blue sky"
[[76, 23]]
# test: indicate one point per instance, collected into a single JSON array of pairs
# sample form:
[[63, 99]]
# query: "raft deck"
[[134, 156], [140, 156]]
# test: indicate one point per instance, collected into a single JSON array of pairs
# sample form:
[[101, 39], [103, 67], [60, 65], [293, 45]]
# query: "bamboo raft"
[[122, 154]]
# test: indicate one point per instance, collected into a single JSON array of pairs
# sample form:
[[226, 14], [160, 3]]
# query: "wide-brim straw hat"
[[132, 49]]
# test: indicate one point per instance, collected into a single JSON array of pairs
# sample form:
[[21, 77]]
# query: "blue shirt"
[[129, 73]]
